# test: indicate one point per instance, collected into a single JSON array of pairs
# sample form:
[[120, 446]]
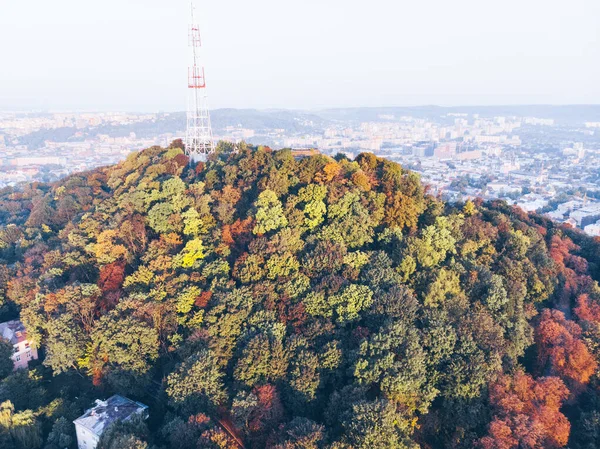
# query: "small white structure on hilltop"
[[14, 331], [90, 426]]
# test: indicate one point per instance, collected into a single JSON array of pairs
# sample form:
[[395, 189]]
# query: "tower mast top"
[[199, 139]]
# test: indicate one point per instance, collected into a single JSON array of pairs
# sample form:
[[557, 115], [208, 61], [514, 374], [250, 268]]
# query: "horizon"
[[315, 109]]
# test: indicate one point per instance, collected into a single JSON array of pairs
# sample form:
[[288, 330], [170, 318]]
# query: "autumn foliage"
[[268, 300], [561, 351], [526, 413]]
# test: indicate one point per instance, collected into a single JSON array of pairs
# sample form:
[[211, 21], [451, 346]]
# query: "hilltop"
[[295, 303]]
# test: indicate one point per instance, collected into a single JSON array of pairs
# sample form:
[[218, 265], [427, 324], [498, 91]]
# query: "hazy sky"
[[131, 54]]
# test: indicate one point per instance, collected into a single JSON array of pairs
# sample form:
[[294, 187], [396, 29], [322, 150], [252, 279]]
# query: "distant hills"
[[306, 121], [563, 114]]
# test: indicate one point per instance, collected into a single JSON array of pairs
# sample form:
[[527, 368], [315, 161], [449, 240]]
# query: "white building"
[[586, 215], [90, 426], [593, 229], [24, 351], [531, 205]]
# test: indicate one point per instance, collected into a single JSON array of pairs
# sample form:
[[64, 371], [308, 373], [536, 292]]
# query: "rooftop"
[[115, 408], [13, 331]]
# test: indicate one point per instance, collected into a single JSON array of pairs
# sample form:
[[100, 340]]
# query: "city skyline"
[[541, 158], [132, 57]]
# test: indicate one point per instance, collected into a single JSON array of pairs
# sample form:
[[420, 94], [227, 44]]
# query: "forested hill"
[[325, 303]]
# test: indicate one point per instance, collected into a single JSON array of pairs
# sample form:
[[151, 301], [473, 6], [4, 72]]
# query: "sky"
[[131, 55]]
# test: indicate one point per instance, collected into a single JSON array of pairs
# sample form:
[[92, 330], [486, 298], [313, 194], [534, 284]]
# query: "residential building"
[[587, 215], [593, 229], [14, 331], [90, 426]]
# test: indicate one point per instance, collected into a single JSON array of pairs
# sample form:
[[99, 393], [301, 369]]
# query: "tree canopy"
[[276, 302]]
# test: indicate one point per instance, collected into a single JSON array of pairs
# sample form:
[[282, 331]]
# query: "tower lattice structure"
[[199, 139]]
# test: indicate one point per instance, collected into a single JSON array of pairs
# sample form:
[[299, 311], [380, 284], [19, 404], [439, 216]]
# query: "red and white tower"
[[199, 139]]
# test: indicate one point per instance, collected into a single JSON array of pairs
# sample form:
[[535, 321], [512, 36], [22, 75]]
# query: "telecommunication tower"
[[198, 139]]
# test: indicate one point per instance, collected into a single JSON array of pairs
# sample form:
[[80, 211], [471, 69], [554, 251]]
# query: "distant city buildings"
[[532, 162], [593, 229], [46, 147]]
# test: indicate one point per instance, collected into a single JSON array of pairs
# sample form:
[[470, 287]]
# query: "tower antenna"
[[198, 139]]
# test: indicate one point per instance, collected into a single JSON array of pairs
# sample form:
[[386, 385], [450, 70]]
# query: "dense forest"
[[262, 301]]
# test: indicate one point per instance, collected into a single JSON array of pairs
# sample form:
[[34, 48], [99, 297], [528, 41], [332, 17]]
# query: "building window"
[[28, 355], [18, 358], [16, 348]]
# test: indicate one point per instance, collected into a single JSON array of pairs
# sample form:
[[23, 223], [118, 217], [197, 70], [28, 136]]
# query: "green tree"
[[61, 436], [301, 433], [123, 342], [197, 383], [435, 243], [376, 425], [314, 208], [444, 285], [192, 222], [6, 362], [350, 220], [395, 360], [263, 359], [351, 302], [65, 344], [23, 389], [159, 218], [269, 213], [130, 434], [23, 426]]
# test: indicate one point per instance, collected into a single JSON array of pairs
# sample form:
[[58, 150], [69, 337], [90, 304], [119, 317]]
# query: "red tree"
[[561, 350], [571, 267], [111, 276], [587, 310], [266, 416], [527, 413]]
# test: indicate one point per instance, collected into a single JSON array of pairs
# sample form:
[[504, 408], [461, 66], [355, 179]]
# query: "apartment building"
[[91, 425]]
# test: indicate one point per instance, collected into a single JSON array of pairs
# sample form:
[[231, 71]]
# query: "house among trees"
[[90, 426], [14, 332]]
